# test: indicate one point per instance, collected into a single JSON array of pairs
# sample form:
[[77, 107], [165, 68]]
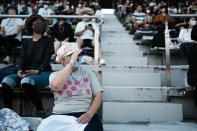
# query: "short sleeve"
[[79, 27], [181, 34], [51, 77], [20, 22], [3, 23], [133, 16], [95, 84]]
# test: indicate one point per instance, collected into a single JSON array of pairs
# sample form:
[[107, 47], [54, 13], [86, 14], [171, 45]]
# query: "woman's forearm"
[[95, 104], [59, 81]]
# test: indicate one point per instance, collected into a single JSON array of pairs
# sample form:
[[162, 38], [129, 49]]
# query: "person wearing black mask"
[[34, 69], [61, 32]]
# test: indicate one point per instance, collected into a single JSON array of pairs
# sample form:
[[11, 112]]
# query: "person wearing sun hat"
[[77, 90], [85, 32]]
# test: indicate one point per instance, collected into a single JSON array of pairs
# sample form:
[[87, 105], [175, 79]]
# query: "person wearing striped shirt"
[[139, 19]]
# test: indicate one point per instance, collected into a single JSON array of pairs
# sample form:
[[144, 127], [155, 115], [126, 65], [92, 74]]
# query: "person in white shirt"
[[85, 33], [45, 10], [185, 33], [10, 33]]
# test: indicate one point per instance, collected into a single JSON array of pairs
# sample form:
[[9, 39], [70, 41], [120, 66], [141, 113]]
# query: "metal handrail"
[[96, 35], [167, 44], [51, 16]]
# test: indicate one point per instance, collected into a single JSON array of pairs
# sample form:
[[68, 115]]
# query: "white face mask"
[[45, 6], [85, 19], [147, 11], [192, 22]]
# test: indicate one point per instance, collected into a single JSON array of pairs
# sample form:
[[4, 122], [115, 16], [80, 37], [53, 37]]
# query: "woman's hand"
[[20, 74], [75, 56], [66, 40], [31, 72], [84, 118]]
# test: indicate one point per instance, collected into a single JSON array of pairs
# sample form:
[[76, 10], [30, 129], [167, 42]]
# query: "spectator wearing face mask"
[[139, 19], [61, 32], [159, 20], [172, 10], [34, 68], [24, 9], [85, 33], [190, 50], [185, 33], [45, 10], [10, 34]]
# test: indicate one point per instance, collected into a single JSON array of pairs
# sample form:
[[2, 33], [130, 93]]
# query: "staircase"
[[132, 90]]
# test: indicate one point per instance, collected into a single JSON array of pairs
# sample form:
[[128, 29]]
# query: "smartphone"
[[90, 25]]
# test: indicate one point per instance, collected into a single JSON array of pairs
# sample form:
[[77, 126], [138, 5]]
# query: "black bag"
[[12, 69]]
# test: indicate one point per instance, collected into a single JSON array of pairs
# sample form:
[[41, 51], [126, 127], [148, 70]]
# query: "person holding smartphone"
[[85, 33], [35, 66]]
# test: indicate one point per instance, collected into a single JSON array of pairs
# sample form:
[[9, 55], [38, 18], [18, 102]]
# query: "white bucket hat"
[[66, 49]]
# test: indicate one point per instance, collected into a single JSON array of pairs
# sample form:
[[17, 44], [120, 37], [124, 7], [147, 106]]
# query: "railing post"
[[96, 48], [167, 54]]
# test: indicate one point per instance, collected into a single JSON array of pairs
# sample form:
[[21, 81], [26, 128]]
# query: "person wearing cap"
[[85, 32], [77, 91], [34, 69], [61, 32]]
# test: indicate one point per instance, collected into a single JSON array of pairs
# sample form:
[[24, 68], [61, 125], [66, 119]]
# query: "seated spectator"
[[24, 9], [77, 90], [185, 33], [160, 18], [139, 19], [85, 33], [10, 34], [34, 69], [61, 32], [190, 50], [45, 10], [172, 10]]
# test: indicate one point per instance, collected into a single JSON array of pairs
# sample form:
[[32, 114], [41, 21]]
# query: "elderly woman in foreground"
[[77, 93]]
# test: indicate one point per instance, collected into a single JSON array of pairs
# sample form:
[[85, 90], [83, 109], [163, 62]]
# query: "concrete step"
[[164, 126], [126, 60], [120, 48], [135, 94], [128, 69], [121, 54], [116, 39], [131, 79], [125, 112]]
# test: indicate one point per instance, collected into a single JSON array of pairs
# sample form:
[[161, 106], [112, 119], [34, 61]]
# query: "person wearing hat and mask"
[[77, 90], [34, 69], [85, 32]]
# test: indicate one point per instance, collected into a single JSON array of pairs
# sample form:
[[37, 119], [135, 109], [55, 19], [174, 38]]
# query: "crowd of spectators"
[[151, 15], [60, 30]]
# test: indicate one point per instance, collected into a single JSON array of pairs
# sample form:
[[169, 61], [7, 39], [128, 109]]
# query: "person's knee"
[[93, 43], [146, 26], [79, 42], [28, 80], [11, 82]]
